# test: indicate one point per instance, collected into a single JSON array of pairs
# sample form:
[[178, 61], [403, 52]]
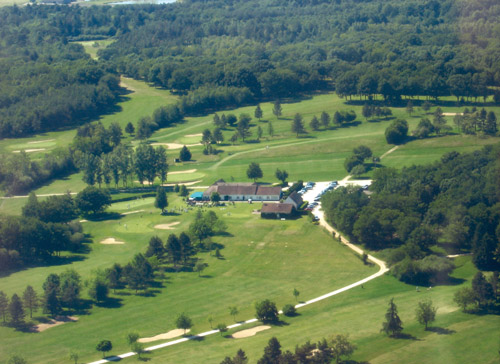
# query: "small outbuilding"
[[277, 210]]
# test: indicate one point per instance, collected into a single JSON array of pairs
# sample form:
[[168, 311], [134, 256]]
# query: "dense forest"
[[452, 203], [247, 50]]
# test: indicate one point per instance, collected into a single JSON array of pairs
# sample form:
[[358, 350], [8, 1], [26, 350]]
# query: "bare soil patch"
[[175, 145], [111, 241], [41, 141], [59, 320], [250, 332], [167, 226], [182, 172], [168, 335], [131, 212], [29, 150]]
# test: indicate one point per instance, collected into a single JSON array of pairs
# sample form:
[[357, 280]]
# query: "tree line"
[[453, 200]]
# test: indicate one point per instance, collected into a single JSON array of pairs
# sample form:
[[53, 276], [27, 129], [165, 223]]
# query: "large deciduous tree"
[[254, 172], [92, 200], [266, 311], [425, 313]]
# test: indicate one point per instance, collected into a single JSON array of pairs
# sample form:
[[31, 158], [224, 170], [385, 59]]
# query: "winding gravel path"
[[383, 269]]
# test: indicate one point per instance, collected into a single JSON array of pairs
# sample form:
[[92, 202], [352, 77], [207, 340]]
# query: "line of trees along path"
[[382, 270]]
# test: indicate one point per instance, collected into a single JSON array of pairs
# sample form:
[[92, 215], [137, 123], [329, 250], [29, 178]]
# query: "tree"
[[137, 348], [138, 272], [74, 356], [272, 352], [92, 200], [4, 305], [218, 136], [289, 310], [254, 172], [206, 137], [233, 311], [32, 207], [16, 311], [243, 127], [70, 287], [362, 152], [161, 163], [367, 111], [325, 120], [99, 288], [277, 110], [15, 359], [340, 347], [483, 292], [424, 128], [426, 313], [438, 120], [314, 124], [51, 288], [215, 197], [132, 337], [183, 322], [259, 132], [426, 106], [183, 191], [258, 112], [185, 154], [396, 133], [409, 107], [216, 120], [298, 125], [161, 201], [490, 126], [104, 346], [296, 294], [30, 300], [270, 129], [393, 324], [266, 311], [240, 357], [200, 267], [129, 128], [352, 161], [114, 275], [221, 327], [282, 175]]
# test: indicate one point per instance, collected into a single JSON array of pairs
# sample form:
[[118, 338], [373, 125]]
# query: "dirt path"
[[382, 270]]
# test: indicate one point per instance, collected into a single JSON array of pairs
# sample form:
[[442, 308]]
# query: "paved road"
[[383, 269]]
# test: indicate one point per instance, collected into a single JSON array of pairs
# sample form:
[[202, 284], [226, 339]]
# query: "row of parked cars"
[[315, 203], [306, 188]]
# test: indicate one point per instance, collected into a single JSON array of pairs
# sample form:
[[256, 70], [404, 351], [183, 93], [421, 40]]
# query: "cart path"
[[382, 270]]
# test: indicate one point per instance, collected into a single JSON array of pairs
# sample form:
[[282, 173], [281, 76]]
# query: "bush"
[[397, 132], [289, 310], [266, 311]]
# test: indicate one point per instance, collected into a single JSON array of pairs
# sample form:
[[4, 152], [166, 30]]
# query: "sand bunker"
[[58, 321], [167, 226], [29, 150], [185, 184], [111, 241], [131, 212], [193, 135], [41, 141], [452, 113], [168, 335], [250, 332], [182, 172], [175, 145]]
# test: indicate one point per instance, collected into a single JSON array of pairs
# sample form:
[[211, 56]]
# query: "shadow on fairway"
[[441, 330]]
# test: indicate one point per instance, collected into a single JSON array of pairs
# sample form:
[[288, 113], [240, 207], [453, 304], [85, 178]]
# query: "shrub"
[[289, 310]]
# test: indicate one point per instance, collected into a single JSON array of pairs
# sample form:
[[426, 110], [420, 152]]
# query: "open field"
[[92, 46], [269, 263]]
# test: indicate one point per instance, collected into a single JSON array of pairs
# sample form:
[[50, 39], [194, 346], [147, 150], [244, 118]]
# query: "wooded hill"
[[250, 50]]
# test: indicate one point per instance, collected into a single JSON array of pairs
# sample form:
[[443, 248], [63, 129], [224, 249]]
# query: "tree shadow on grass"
[[113, 358], [104, 216], [441, 330], [149, 293], [111, 302], [405, 336], [195, 337]]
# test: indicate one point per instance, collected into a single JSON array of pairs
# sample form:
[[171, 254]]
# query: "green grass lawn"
[[269, 262], [92, 46]]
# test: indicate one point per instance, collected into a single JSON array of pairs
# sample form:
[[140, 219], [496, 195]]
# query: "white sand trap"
[[182, 172], [58, 321], [167, 226], [41, 141], [131, 212], [30, 150], [175, 145], [184, 183], [250, 332], [193, 135], [452, 113], [168, 335], [111, 241]]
